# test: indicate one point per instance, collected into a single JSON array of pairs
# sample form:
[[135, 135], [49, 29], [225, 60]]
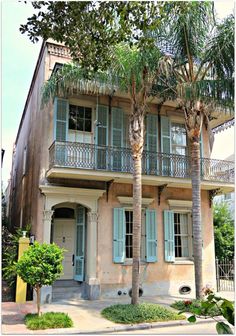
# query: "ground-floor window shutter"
[[151, 235], [118, 235], [169, 236]]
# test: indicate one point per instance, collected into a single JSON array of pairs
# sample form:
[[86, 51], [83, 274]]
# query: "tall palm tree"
[[134, 72], [201, 78]]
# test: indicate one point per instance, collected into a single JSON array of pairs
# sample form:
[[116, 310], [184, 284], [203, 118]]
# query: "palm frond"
[[220, 92], [71, 79], [189, 27], [220, 49]]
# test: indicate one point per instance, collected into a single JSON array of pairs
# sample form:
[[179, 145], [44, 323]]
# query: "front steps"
[[68, 290]]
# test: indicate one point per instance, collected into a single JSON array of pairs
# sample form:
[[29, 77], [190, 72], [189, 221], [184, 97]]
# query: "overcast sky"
[[19, 58]]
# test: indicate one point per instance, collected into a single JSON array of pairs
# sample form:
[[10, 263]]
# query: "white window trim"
[[180, 260], [129, 261]]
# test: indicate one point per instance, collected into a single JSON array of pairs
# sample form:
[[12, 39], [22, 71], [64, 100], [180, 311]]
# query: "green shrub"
[[48, 321], [143, 312], [192, 306]]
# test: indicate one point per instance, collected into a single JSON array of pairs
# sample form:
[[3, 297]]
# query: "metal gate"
[[225, 275]]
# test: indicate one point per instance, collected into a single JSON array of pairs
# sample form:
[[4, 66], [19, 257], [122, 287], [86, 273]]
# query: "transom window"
[[80, 118], [178, 139], [182, 235]]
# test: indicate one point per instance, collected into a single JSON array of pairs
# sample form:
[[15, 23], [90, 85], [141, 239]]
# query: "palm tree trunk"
[[137, 208], [136, 131], [197, 228]]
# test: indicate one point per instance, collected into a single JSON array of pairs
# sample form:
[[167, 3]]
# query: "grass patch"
[[143, 312], [48, 321], [193, 306]]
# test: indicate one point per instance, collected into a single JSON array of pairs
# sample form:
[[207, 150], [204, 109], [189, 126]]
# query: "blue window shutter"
[[165, 146], [169, 236], [118, 235], [117, 127], [61, 111], [165, 135], [152, 142], [151, 235], [102, 125], [117, 137], [101, 140]]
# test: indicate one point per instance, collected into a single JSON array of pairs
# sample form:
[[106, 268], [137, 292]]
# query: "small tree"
[[40, 266]]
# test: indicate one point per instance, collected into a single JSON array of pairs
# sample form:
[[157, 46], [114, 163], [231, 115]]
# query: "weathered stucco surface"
[[160, 277]]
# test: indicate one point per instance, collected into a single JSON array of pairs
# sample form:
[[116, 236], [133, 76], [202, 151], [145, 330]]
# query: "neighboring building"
[[229, 197], [72, 180]]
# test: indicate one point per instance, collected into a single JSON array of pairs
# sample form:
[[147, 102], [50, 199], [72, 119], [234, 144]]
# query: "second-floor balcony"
[[85, 156]]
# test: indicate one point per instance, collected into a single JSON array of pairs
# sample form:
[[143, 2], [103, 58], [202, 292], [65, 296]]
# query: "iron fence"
[[106, 158], [225, 275]]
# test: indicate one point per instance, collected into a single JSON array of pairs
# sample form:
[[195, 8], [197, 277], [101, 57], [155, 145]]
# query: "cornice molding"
[[129, 200], [55, 190], [180, 203]]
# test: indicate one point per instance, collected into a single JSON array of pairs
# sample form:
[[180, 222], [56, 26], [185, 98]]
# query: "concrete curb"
[[141, 326]]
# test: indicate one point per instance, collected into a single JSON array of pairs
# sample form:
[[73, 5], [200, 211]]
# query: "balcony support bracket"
[[212, 194], [160, 189], [108, 185]]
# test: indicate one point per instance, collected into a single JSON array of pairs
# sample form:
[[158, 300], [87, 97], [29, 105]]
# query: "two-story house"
[[72, 181]]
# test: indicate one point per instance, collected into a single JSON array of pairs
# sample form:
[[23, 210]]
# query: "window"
[[123, 235], [128, 234], [178, 139], [177, 235], [181, 232], [80, 118], [24, 160], [64, 213]]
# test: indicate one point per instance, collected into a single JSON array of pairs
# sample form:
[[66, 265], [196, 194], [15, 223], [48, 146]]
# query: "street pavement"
[[87, 318], [188, 329]]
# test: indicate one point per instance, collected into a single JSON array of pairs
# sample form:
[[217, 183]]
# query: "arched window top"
[[64, 213]]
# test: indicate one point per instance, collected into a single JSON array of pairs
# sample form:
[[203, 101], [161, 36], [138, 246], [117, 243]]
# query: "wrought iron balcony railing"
[[115, 159]]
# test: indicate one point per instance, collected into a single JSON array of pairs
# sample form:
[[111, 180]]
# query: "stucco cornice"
[[55, 190], [180, 203], [129, 200]]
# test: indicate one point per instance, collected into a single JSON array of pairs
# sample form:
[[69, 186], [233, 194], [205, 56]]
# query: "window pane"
[[129, 234], [88, 113], [179, 150], [87, 125], [178, 134], [81, 112], [72, 117], [80, 124]]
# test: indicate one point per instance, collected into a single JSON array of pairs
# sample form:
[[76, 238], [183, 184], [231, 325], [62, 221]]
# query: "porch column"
[[93, 284], [47, 221]]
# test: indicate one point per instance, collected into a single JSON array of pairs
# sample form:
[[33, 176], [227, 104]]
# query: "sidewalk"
[[85, 315]]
